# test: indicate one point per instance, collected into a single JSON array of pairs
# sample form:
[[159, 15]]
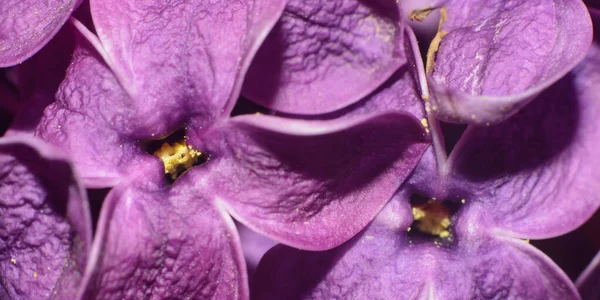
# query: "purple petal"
[[177, 60], [495, 56], [324, 55], [159, 243], [89, 120], [536, 174], [588, 282], [310, 184], [382, 263], [28, 25], [45, 226]]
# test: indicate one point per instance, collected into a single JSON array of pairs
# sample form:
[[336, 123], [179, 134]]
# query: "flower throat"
[[432, 221]]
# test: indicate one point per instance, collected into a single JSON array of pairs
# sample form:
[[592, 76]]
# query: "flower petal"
[[536, 174], [28, 25], [382, 263], [165, 244], [588, 282], [326, 54], [45, 225], [495, 56], [181, 59], [90, 121], [310, 184]]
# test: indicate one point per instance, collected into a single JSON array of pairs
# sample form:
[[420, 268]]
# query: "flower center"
[[177, 158], [432, 220]]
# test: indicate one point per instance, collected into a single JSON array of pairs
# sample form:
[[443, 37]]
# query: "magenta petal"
[[381, 263], [536, 175], [310, 184], [177, 60], [165, 244], [326, 54], [45, 226], [495, 56], [27, 25]]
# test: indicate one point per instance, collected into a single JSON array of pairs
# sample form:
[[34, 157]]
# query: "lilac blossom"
[[45, 224], [532, 176], [154, 70], [490, 58], [28, 25]]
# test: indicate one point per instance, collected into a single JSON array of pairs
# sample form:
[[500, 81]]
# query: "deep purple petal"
[[27, 25], [382, 263], [45, 226], [89, 120], [495, 56], [160, 243], [536, 175], [326, 54], [181, 59], [310, 184]]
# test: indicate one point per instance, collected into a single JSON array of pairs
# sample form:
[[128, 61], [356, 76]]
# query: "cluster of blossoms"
[[315, 123]]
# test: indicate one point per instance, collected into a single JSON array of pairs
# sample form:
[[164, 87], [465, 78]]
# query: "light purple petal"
[[45, 225], [28, 25], [159, 243], [179, 59], [588, 282], [495, 56], [536, 175], [326, 54], [310, 184], [382, 263]]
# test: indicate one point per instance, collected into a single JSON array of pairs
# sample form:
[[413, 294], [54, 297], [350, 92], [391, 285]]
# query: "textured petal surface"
[[537, 174], [45, 226], [310, 184], [28, 25], [382, 263], [87, 119], [159, 243], [495, 56], [326, 54], [177, 59]]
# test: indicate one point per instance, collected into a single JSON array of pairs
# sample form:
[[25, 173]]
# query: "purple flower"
[[158, 70], [29, 25], [490, 58], [45, 225], [459, 227]]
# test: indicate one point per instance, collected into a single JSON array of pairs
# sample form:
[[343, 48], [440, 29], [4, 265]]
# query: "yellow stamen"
[[177, 158], [432, 218]]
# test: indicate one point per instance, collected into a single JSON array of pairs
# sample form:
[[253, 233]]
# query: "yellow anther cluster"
[[432, 218], [177, 158]]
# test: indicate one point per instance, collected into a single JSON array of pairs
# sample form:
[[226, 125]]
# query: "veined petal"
[[382, 263], [324, 55], [160, 243], [537, 174], [45, 225], [310, 184], [91, 120], [177, 59], [490, 58], [28, 25]]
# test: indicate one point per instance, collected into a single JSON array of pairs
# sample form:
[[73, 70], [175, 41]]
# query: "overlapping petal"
[[536, 175], [167, 243], [323, 55], [490, 58], [310, 184], [45, 226], [28, 25], [588, 282], [177, 59], [383, 263]]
